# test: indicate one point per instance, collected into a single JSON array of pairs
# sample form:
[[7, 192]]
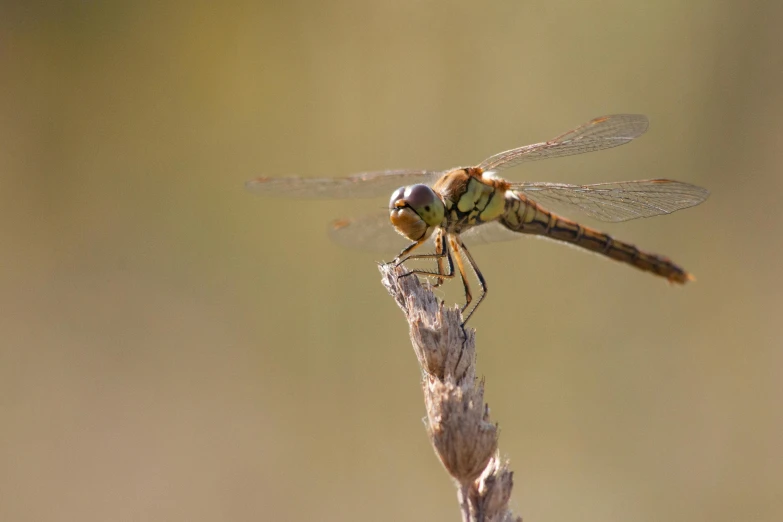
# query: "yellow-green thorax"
[[470, 198]]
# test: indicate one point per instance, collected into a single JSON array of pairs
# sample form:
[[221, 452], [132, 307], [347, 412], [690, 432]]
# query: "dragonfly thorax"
[[415, 211], [470, 198]]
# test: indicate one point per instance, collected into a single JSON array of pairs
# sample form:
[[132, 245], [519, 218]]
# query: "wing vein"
[[619, 201]]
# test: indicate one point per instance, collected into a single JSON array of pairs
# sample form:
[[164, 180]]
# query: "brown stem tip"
[[458, 424]]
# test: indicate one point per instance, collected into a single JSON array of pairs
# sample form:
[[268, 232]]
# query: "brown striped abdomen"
[[527, 217]]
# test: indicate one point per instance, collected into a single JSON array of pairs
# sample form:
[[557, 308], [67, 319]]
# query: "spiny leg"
[[440, 248], [479, 276], [458, 246], [454, 243], [442, 252], [400, 259]]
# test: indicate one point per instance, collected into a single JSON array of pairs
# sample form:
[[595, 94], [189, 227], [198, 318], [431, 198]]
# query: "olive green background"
[[175, 348]]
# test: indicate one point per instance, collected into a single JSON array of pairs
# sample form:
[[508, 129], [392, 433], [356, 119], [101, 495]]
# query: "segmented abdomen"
[[527, 217]]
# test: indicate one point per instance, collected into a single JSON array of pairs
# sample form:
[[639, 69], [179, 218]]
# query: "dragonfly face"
[[472, 203], [415, 211]]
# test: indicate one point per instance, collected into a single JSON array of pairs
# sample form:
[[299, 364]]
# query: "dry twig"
[[457, 418]]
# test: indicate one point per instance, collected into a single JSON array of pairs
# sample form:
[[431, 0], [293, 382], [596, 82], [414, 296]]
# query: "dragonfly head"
[[415, 211]]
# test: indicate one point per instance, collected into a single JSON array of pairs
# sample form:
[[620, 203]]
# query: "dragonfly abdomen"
[[527, 217]]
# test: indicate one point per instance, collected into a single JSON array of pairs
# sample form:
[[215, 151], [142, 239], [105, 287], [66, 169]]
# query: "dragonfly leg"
[[440, 248], [458, 246], [442, 253], [403, 255]]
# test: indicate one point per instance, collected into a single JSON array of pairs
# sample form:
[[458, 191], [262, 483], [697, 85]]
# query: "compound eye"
[[398, 195], [423, 200], [414, 210], [419, 197]]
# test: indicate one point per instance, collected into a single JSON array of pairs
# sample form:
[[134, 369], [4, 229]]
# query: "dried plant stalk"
[[458, 422]]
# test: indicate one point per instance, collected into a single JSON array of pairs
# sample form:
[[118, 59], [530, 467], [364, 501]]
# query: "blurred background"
[[175, 348]]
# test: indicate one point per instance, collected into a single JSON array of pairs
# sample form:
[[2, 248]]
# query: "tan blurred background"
[[174, 348]]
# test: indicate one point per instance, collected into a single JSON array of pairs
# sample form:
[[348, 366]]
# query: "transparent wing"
[[617, 201], [364, 185], [491, 232], [373, 232], [601, 133]]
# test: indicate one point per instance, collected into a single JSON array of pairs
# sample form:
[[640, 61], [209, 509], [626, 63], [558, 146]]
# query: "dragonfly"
[[445, 208]]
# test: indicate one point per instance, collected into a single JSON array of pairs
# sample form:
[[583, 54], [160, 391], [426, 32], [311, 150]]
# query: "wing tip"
[[254, 183], [639, 123], [339, 224]]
